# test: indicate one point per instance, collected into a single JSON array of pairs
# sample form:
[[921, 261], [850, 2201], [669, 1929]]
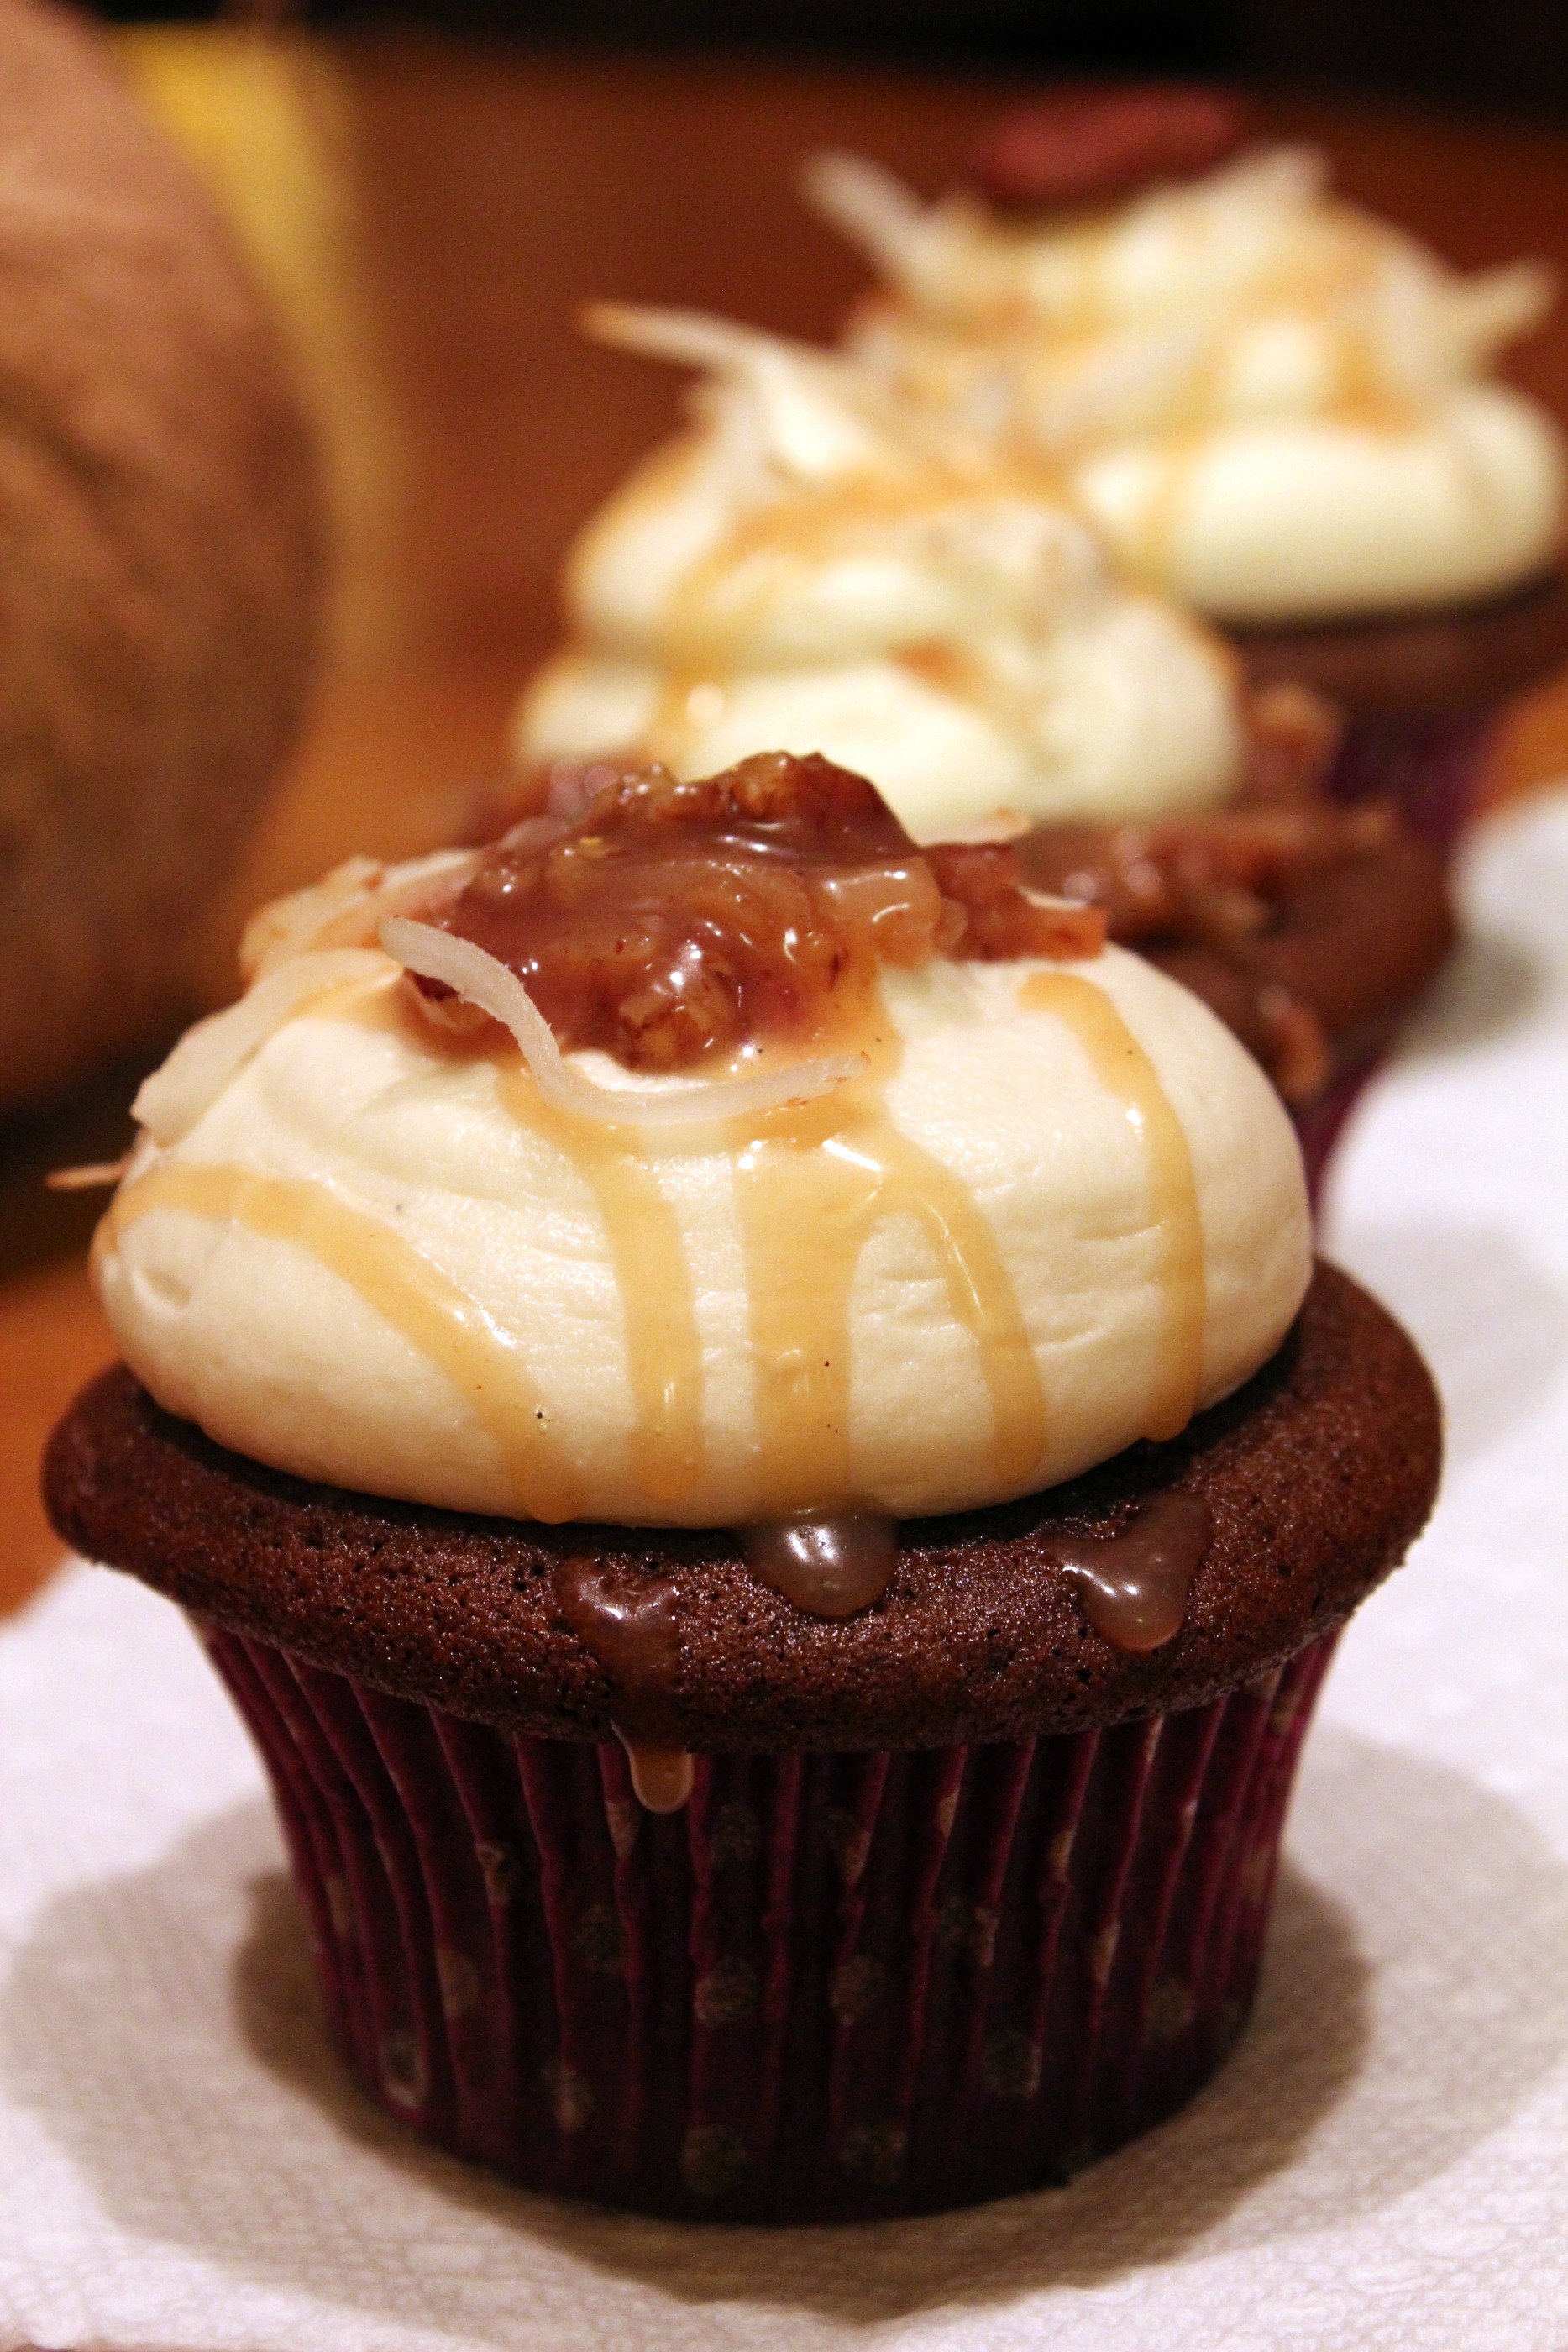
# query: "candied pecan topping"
[[1085, 145], [667, 922], [1298, 918]]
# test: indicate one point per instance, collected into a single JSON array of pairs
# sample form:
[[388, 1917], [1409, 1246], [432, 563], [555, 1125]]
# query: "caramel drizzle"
[[807, 527], [812, 1185], [1125, 1071], [653, 1274], [641, 1234], [443, 1322]]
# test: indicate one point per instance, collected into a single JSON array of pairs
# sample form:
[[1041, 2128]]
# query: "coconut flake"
[[483, 980], [88, 1176], [343, 908], [869, 205], [173, 1098]]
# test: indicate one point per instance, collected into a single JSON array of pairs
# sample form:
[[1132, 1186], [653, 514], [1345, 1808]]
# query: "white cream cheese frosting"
[[806, 568], [1271, 404], [1068, 1211]]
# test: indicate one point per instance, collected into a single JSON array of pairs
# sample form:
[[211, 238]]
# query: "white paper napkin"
[[1383, 2164]]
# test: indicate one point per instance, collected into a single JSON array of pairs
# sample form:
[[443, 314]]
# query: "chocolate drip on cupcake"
[[633, 1630], [829, 1567], [1135, 1586]]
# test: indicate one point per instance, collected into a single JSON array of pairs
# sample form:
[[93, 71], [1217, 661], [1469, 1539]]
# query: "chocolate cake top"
[[1316, 1475], [1440, 664]]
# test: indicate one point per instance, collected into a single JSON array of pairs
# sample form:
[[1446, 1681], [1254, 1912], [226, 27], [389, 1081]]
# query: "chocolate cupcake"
[[778, 1579], [1273, 406]]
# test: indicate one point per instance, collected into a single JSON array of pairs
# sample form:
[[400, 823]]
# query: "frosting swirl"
[[1049, 1207], [1269, 402], [811, 565]]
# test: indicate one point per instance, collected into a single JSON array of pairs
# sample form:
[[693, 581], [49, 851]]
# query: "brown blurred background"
[[1515, 52], [431, 208]]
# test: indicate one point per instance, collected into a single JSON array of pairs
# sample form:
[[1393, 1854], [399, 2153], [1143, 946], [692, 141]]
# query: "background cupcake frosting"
[[1270, 402], [815, 567]]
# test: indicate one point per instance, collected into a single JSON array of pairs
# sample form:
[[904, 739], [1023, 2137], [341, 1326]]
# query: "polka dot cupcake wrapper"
[[835, 1986]]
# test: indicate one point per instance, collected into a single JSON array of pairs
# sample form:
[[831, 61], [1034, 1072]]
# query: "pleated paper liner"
[[834, 1987]]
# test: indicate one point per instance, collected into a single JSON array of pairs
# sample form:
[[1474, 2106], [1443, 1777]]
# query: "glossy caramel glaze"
[[632, 1628], [1135, 1586], [829, 1567], [670, 923]]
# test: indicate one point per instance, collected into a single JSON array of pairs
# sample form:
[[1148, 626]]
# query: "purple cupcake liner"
[[1320, 1124], [837, 1986], [1433, 766]]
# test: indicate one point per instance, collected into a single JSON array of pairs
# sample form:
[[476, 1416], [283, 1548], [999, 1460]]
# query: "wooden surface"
[[450, 211]]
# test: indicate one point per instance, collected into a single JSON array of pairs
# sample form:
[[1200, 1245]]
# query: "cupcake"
[[1273, 406], [746, 1414], [811, 565], [814, 566]]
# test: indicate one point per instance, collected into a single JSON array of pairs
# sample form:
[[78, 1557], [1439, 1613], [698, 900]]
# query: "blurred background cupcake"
[[1274, 406], [821, 563], [810, 565]]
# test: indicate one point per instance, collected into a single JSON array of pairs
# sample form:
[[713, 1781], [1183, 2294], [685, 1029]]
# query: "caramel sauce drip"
[[829, 1567], [1135, 1586], [1126, 1072], [451, 1330], [672, 923], [662, 1778], [812, 1184], [631, 1626], [652, 1275]]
